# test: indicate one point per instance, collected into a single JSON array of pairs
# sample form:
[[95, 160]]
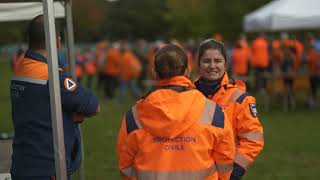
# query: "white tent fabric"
[[26, 11], [284, 15]]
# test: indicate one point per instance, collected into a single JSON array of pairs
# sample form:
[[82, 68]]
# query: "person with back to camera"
[[231, 95], [33, 150], [175, 132]]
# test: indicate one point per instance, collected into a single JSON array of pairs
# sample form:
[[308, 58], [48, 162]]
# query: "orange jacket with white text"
[[242, 112], [174, 133]]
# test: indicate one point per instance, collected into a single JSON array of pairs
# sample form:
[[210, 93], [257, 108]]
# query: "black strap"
[[172, 87]]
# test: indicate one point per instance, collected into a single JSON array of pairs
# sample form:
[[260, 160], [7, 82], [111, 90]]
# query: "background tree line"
[[149, 19]]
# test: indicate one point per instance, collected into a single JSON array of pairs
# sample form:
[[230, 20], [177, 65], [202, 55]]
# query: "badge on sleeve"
[[69, 84], [253, 110]]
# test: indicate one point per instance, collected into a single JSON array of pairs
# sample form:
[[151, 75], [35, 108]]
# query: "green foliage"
[[150, 19], [189, 18], [136, 19]]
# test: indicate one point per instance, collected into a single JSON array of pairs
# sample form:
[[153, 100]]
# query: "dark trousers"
[[260, 79], [314, 83], [111, 84]]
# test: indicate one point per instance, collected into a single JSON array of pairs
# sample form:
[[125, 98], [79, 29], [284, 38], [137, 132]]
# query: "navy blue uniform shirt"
[[33, 153]]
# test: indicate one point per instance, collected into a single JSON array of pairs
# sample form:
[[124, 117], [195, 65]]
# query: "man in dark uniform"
[[33, 151]]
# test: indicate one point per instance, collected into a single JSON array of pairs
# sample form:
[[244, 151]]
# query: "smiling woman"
[[214, 83]]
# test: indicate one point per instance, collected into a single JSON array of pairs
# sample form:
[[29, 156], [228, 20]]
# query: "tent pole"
[[54, 87], [72, 64], [70, 38]]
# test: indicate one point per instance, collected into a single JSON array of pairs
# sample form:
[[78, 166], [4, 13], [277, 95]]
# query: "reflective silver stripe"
[[235, 95], [129, 172], [176, 175], [242, 161], [136, 117], [30, 80], [253, 136], [222, 168], [208, 112]]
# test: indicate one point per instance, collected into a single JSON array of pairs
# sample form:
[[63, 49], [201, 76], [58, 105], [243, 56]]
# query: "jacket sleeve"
[[249, 135], [126, 150], [224, 151], [75, 98]]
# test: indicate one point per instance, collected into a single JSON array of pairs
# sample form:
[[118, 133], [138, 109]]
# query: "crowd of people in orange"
[[127, 66]]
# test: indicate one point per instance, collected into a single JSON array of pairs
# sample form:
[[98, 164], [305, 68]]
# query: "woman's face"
[[212, 65]]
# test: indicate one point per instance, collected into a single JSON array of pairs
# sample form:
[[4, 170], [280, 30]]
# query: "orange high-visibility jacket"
[[113, 62], [130, 66], [299, 53], [241, 108], [175, 133], [240, 58], [313, 58], [259, 53], [277, 54]]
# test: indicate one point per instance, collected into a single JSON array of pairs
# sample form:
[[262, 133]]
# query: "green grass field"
[[291, 140]]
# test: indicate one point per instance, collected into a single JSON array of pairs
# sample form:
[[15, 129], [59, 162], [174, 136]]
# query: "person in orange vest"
[[100, 57], [89, 66], [112, 70], [141, 54], [313, 58], [260, 61], [240, 59], [277, 54], [174, 132], [129, 73], [231, 95], [299, 48], [79, 66]]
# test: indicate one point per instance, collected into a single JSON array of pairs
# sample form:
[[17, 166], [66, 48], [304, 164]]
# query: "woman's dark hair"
[[170, 61], [211, 44]]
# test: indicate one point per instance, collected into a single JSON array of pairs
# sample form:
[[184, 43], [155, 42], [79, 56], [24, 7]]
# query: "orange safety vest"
[[260, 55], [277, 52], [241, 108], [299, 53], [240, 59], [175, 133], [113, 62], [130, 66], [313, 58]]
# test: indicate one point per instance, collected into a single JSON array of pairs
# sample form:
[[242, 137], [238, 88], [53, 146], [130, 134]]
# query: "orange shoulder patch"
[[70, 84]]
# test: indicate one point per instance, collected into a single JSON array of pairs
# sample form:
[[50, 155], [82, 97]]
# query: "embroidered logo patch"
[[69, 84], [253, 110]]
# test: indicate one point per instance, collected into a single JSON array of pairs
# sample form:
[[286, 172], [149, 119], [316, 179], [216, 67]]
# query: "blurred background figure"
[[313, 59], [240, 60], [260, 61], [100, 58], [130, 71], [140, 51], [112, 70], [89, 67]]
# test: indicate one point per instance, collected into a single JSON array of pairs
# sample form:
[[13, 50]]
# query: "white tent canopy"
[[284, 15], [26, 11]]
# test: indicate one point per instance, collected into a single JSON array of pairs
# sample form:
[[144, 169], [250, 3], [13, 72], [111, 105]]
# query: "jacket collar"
[[35, 56], [177, 81]]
